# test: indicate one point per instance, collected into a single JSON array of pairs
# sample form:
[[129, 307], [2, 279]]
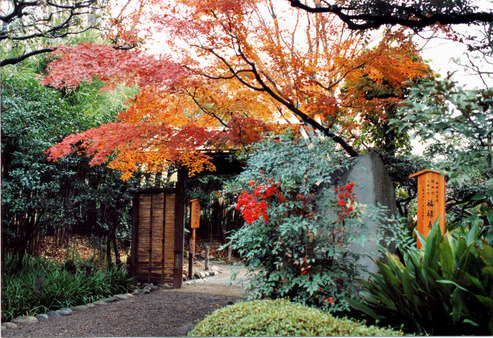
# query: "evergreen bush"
[[296, 240], [280, 318]]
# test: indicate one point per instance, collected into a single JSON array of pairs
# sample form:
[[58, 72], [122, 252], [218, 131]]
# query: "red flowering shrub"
[[345, 201], [297, 241], [255, 205]]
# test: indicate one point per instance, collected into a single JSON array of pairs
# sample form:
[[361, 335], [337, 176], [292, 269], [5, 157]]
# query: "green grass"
[[281, 318], [60, 288]]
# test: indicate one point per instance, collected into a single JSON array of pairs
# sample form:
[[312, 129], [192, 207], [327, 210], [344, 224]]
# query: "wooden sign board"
[[431, 201], [195, 214]]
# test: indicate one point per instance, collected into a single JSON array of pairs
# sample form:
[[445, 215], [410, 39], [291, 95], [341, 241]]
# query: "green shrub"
[[298, 236], [444, 288], [281, 318], [42, 286]]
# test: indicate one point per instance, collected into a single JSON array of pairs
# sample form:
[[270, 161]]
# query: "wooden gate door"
[[157, 237]]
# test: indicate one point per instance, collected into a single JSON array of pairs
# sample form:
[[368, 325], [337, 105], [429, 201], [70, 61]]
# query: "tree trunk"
[[118, 261], [26, 229], [109, 261]]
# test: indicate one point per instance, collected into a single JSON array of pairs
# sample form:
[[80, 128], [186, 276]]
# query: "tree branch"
[[13, 61], [27, 20], [382, 13]]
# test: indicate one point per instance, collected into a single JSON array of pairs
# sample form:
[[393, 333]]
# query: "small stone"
[[65, 312], [202, 274], [100, 302], [212, 273], [25, 320], [109, 300], [214, 268], [199, 281], [121, 297], [53, 314], [167, 286], [80, 307], [10, 325], [90, 305], [42, 316]]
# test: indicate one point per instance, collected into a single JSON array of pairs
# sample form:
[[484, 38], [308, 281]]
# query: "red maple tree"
[[234, 70]]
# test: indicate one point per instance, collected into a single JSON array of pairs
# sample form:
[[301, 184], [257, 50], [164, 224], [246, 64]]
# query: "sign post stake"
[[431, 201], [194, 220]]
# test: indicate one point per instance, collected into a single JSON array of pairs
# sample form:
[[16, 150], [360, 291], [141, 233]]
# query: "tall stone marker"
[[431, 201], [373, 186]]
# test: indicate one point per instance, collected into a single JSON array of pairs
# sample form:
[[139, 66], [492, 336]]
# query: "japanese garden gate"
[[157, 235]]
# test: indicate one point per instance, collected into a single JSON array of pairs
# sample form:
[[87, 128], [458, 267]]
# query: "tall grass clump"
[[43, 285]]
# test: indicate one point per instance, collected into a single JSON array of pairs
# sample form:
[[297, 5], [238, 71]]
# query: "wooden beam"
[[179, 228], [135, 224]]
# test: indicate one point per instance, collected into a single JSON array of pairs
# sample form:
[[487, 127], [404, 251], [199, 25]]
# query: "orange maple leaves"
[[234, 70]]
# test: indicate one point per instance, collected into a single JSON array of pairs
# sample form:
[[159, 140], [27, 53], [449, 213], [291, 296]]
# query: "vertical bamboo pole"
[[150, 238], [163, 238]]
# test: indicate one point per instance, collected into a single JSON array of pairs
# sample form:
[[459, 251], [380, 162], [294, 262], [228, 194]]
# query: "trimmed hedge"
[[281, 318]]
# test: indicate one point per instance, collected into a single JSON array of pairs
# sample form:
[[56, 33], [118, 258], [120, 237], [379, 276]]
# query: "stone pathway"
[[216, 281]]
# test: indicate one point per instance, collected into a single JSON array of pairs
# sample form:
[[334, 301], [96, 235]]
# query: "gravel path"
[[161, 313]]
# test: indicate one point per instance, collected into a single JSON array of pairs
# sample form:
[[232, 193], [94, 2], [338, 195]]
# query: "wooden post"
[[431, 201], [194, 220], [206, 261], [190, 260], [135, 224], [179, 226]]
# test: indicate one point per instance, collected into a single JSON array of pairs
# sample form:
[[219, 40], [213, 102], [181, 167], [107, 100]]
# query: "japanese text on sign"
[[431, 201], [195, 214]]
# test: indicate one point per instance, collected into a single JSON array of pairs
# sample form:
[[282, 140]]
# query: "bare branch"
[[374, 14], [23, 20], [13, 61]]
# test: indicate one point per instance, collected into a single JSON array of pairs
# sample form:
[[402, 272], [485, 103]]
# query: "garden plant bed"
[[162, 312]]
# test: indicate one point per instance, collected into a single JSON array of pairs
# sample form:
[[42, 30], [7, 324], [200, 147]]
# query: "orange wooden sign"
[[195, 214], [431, 201]]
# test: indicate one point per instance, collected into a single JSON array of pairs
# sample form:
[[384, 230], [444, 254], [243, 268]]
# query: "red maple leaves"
[[72, 65]]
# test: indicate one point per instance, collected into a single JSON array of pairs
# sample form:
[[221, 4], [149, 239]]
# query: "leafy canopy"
[[235, 69]]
